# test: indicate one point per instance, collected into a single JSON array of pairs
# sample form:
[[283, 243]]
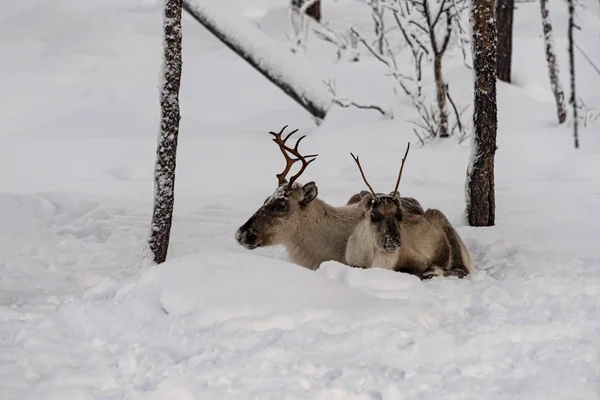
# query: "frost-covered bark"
[[573, 99], [480, 174], [559, 94], [166, 153], [289, 72], [504, 22]]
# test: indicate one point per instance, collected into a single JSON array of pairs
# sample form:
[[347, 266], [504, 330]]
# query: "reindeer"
[[423, 244], [311, 230]]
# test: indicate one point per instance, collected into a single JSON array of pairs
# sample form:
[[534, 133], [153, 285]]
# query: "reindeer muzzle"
[[391, 243], [247, 238]]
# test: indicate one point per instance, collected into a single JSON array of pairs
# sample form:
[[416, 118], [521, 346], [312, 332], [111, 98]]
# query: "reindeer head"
[[384, 213], [278, 217]]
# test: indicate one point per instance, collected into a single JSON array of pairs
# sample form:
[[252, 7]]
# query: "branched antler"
[[401, 168], [363, 174], [289, 162]]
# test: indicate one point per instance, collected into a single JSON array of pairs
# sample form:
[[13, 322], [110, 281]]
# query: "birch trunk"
[[440, 89], [166, 153]]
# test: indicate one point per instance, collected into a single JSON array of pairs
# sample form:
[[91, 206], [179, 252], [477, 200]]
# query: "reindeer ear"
[[309, 193], [367, 200]]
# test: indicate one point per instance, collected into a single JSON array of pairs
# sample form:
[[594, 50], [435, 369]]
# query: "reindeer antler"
[[289, 162], [401, 168], [362, 173]]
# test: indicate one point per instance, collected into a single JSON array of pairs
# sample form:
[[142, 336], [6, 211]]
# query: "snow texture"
[[80, 319]]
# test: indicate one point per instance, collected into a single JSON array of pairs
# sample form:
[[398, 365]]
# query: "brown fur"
[[424, 244], [311, 230]]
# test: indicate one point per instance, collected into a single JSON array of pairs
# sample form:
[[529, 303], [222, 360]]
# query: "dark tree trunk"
[[559, 94], [504, 22], [573, 99], [313, 10], [313, 106], [166, 153], [480, 175]]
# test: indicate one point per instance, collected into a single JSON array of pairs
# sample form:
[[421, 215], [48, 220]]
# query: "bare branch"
[[368, 46], [345, 103], [456, 113]]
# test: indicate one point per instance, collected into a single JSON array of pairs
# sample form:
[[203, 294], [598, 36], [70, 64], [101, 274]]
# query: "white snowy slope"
[[80, 319]]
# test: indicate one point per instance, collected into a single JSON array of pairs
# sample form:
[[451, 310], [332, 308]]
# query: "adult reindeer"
[[311, 230], [422, 244]]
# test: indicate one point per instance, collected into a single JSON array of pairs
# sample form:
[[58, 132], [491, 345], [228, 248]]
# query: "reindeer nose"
[[391, 243], [251, 237], [246, 237], [238, 235]]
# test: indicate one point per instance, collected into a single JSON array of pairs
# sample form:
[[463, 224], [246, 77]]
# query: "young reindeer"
[[422, 244], [311, 230]]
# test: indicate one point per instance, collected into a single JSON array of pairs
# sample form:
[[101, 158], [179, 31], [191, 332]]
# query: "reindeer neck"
[[323, 233]]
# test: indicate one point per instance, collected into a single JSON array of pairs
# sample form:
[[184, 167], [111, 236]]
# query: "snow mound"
[[219, 286]]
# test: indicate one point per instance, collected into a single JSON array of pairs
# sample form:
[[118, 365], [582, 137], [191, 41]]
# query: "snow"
[[81, 318]]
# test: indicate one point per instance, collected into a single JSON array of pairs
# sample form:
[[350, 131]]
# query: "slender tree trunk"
[[166, 153], [573, 99], [441, 96], [504, 18], [313, 10], [480, 174], [559, 94]]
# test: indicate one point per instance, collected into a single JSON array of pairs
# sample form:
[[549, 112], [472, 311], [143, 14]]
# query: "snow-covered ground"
[[81, 319]]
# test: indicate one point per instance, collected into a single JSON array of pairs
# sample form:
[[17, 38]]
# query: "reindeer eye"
[[280, 206], [375, 217], [399, 216]]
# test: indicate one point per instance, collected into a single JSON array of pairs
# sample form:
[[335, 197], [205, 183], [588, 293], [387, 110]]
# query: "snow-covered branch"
[[291, 73]]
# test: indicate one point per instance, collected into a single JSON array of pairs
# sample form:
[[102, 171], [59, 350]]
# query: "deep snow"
[[80, 319]]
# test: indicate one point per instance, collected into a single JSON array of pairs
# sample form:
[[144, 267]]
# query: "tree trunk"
[[559, 95], [480, 174], [573, 99], [295, 81], [313, 10], [166, 153], [504, 18], [440, 90]]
